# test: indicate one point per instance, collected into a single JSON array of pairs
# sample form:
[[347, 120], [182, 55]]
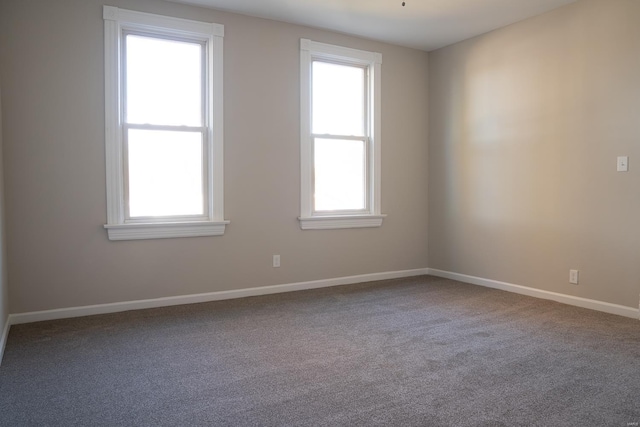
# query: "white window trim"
[[115, 21], [309, 220]]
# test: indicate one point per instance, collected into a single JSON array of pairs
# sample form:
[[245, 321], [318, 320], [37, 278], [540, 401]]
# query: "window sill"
[[165, 230], [340, 221]]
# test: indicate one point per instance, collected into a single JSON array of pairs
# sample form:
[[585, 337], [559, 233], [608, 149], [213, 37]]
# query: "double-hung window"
[[340, 137], [163, 113]]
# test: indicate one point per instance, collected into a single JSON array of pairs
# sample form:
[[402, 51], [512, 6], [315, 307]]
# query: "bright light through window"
[[338, 99], [164, 88], [164, 81], [165, 173], [339, 174], [338, 109]]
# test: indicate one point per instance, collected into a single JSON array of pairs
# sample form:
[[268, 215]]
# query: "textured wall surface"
[[526, 123], [51, 75]]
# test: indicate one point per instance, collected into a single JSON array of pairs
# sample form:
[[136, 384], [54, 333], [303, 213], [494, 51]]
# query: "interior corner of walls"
[[4, 337]]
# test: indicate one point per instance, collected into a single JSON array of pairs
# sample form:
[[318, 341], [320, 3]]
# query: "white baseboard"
[[3, 338], [63, 313], [606, 307]]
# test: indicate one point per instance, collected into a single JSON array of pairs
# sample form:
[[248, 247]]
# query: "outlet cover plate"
[[573, 276]]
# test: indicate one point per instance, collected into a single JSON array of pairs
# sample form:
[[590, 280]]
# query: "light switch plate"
[[623, 163]]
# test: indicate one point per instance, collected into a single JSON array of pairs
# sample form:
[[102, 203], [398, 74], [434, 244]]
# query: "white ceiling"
[[422, 24]]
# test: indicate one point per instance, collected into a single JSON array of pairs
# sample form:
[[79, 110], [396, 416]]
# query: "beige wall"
[[526, 123], [51, 68]]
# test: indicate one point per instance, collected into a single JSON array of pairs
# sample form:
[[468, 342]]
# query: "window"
[[163, 117], [340, 137]]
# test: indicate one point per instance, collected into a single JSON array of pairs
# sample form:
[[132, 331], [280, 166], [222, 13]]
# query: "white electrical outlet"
[[573, 276], [276, 261]]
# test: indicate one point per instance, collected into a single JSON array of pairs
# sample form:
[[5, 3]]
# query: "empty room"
[[320, 212]]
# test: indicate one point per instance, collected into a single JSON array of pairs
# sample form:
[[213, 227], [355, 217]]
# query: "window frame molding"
[[372, 61], [117, 21]]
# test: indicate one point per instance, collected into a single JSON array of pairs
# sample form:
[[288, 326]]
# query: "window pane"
[[339, 167], [338, 99], [165, 173], [164, 81]]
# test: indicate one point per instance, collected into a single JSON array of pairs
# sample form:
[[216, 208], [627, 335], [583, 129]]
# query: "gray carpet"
[[420, 351]]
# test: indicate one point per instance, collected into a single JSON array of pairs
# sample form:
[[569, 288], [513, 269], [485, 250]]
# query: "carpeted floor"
[[420, 351]]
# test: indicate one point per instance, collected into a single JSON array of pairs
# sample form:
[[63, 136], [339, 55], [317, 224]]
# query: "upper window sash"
[[202, 116], [320, 66], [118, 23]]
